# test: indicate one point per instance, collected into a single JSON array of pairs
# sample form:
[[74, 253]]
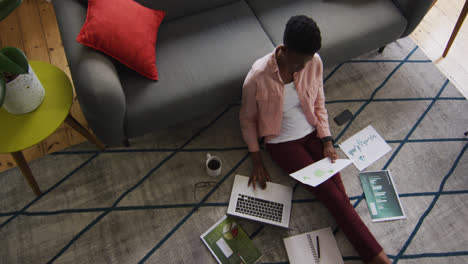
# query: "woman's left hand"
[[329, 151]]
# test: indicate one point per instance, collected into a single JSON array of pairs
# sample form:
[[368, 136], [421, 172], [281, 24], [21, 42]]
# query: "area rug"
[[150, 202]]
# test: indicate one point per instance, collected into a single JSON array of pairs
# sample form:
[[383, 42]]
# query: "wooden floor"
[[33, 28], [432, 36]]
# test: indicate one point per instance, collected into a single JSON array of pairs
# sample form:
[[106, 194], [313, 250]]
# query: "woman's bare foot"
[[381, 258]]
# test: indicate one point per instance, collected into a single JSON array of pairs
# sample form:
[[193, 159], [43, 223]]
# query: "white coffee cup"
[[213, 165]]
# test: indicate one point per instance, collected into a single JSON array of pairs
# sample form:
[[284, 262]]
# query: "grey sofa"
[[205, 49]]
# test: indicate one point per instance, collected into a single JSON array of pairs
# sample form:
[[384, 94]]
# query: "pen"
[[243, 260], [318, 246]]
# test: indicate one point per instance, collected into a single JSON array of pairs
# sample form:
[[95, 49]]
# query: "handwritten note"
[[365, 147], [320, 171]]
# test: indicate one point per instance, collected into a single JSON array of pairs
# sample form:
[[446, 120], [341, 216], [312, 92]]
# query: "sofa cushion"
[[124, 30], [202, 61], [349, 27], [180, 8]]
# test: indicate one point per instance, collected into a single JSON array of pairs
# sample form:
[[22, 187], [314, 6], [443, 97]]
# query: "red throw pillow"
[[125, 30]]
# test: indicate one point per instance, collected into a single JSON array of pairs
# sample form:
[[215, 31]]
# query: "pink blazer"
[[261, 112]]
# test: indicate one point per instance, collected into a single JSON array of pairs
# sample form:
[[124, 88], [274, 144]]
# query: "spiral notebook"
[[313, 247]]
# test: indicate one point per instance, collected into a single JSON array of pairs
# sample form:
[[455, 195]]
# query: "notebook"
[[228, 243], [313, 247], [271, 205]]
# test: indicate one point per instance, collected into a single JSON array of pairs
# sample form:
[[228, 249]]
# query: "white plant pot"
[[24, 94]]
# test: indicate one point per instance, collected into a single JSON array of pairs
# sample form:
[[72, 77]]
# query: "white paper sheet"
[[320, 171], [301, 250], [227, 251], [365, 147]]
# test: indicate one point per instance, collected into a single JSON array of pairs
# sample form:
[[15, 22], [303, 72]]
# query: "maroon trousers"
[[294, 155]]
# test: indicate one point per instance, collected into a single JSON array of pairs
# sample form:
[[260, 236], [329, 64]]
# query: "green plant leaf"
[[2, 89], [7, 6], [13, 60]]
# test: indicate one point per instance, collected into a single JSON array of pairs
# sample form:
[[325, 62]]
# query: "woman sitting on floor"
[[283, 101]]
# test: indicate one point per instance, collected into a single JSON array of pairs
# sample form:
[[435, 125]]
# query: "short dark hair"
[[302, 35]]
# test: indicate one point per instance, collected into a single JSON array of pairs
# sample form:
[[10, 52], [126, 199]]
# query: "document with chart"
[[320, 171], [365, 147], [382, 198]]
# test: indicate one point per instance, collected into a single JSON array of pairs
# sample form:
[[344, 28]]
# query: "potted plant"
[[7, 6], [20, 90]]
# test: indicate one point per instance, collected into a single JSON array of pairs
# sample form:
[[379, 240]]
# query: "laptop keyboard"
[[259, 208]]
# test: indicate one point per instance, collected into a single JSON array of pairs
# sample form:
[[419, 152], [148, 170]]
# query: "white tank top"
[[294, 124]]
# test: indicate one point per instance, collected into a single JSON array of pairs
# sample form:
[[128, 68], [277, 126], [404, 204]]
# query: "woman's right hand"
[[259, 174]]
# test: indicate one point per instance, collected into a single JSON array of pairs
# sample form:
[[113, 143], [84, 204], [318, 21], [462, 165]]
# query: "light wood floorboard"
[[433, 34]]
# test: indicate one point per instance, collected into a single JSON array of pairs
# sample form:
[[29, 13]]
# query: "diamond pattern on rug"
[[174, 137], [16, 193], [225, 133], [396, 231], [413, 159], [189, 166], [101, 182], [392, 120], [446, 119], [446, 213], [458, 182], [130, 241], [407, 83], [45, 236], [367, 76], [451, 91], [419, 55]]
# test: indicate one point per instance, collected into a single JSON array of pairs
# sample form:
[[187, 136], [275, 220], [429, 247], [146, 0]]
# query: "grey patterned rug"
[[150, 202]]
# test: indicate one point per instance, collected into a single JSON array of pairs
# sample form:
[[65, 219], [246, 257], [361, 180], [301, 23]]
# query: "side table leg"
[[23, 165], [460, 20], [84, 132]]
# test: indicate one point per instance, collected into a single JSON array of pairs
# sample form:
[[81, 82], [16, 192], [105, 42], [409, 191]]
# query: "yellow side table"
[[19, 132]]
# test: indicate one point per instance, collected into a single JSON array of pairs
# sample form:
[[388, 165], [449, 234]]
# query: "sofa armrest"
[[94, 75], [101, 96], [414, 11]]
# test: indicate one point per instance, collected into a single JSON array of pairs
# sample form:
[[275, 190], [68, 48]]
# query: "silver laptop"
[[271, 205]]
